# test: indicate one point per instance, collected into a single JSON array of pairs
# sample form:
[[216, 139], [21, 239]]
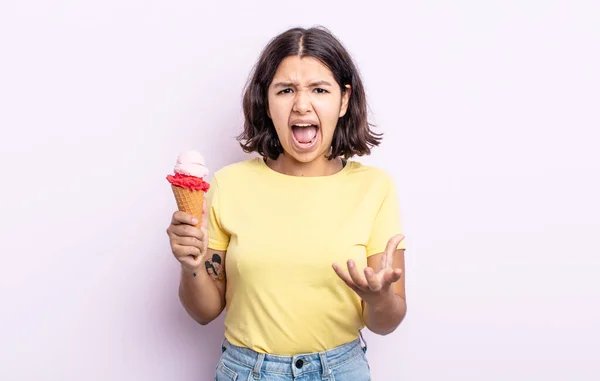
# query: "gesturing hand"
[[371, 285]]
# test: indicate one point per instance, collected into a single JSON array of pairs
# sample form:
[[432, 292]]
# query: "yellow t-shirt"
[[282, 233]]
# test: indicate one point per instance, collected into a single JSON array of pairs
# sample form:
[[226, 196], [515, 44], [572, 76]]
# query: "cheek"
[[280, 113], [328, 115]]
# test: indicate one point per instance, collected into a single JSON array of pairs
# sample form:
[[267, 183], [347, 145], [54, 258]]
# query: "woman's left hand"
[[371, 286]]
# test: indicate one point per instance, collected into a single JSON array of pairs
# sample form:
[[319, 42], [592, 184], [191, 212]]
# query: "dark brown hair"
[[352, 136]]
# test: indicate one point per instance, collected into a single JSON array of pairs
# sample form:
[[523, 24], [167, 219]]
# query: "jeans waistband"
[[298, 364]]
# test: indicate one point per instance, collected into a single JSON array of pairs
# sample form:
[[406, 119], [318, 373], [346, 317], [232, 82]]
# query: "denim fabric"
[[344, 363]]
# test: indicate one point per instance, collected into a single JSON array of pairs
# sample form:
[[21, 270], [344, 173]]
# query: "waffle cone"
[[189, 201]]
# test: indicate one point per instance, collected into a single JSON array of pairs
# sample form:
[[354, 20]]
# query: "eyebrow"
[[313, 84]]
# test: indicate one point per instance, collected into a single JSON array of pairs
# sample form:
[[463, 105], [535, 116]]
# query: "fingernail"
[[194, 221], [350, 263]]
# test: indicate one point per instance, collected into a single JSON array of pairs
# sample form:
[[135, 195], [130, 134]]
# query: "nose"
[[302, 103]]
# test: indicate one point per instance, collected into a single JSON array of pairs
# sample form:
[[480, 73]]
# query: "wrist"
[[193, 271]]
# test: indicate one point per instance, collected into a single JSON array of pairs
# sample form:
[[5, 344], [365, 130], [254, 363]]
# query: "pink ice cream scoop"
[[190, 171], [191, 163]]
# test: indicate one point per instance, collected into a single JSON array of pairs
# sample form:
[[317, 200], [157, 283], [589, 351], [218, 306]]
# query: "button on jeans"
[[344, 363]]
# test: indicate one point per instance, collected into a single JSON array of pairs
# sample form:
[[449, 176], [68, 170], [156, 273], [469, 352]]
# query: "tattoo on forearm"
[[214, 267]]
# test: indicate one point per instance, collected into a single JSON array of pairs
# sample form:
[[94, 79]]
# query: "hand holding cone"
[[188, 184]]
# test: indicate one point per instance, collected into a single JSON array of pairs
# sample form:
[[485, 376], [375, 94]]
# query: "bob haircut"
[[352, 136]]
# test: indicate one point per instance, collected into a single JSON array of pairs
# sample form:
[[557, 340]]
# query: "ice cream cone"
[[189, 201]]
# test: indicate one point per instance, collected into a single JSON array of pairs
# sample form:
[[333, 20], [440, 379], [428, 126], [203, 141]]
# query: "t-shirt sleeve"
[[218, 238], [387, 221]]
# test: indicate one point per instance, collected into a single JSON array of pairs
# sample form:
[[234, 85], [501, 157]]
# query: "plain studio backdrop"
[[490, 111]]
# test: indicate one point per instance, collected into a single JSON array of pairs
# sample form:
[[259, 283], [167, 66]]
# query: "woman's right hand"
[[189, 244]]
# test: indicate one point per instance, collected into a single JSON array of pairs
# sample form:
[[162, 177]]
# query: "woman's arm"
[[202, 291], [380, 286], [384, 314]]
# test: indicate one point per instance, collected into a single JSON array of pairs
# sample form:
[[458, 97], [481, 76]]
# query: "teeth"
[[303, 125]]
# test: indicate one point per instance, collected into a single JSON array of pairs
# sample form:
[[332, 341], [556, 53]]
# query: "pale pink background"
[[491, 115]]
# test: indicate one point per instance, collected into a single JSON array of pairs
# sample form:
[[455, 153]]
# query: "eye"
[[285, 91], [319, 90]]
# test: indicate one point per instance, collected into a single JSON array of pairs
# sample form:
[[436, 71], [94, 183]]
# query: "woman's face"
[[305, 103]]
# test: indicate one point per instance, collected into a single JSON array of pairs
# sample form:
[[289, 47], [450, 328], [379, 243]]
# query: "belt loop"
[[326, 371], [364, 347], [258, 365]]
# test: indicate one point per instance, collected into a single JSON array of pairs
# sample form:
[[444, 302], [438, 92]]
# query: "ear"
[[345, 100]]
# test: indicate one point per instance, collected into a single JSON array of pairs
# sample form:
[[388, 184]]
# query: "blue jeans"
[[344, 363]]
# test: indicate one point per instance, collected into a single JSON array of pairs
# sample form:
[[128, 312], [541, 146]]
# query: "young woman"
[[301, 244]]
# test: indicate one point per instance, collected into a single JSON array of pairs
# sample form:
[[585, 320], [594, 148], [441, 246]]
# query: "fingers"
[[182, 230], [358, 279], [204, 239], [180, 217], [344, 276], [190, 241], [183, 246], [191, 262], [390, 276], [352, 278], [388, 256], [187, 240], [181, 251], [373, 280]]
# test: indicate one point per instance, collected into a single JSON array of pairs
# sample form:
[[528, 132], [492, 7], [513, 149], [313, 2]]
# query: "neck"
[[318, 167]]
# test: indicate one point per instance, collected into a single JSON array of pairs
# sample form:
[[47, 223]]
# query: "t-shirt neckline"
[[341, 172]]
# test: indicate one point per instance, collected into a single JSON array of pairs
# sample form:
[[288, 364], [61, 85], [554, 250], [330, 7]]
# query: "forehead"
[[302, 69]]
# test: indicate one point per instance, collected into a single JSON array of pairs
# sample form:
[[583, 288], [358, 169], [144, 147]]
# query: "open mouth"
[[305, 135]]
